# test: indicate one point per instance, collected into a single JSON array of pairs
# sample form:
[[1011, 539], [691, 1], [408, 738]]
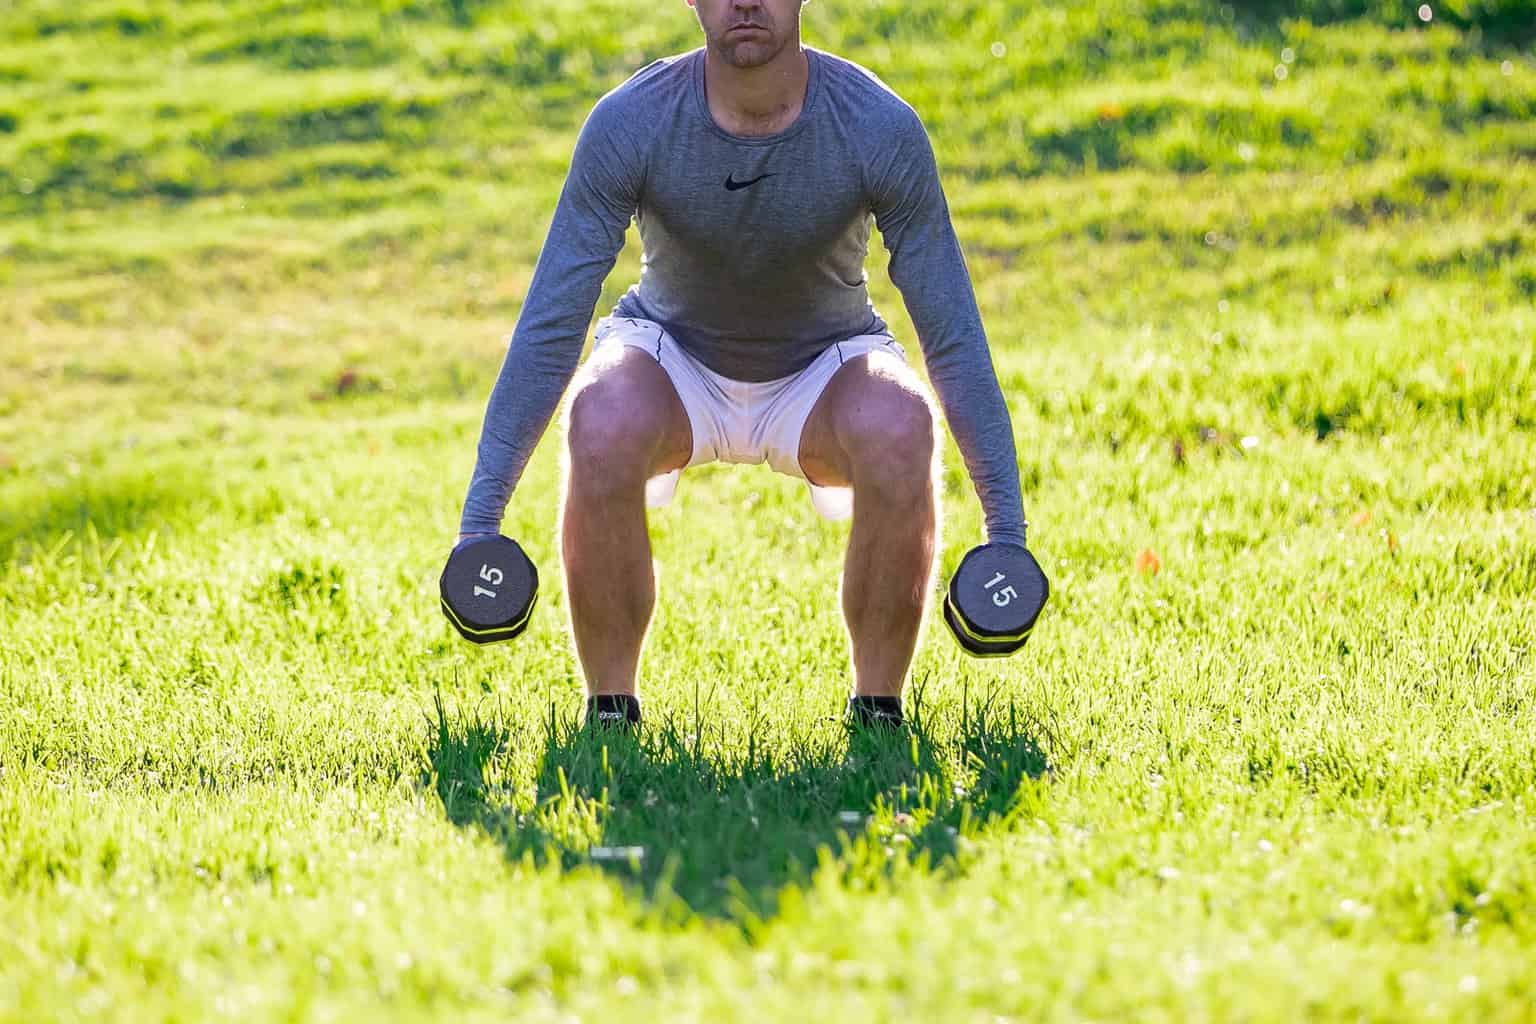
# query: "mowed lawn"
[[1261, 288]]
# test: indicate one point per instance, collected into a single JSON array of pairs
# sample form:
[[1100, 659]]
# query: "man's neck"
[[763, 100]]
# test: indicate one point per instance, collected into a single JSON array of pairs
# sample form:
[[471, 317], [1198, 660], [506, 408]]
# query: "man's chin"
[[747, 55]]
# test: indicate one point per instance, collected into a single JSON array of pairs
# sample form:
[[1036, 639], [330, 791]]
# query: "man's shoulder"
[[648, 86], [859, 87]]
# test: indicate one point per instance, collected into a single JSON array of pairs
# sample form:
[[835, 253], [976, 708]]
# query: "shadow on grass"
[[35, 519], [31, 533], [39, 517], [722, 824]]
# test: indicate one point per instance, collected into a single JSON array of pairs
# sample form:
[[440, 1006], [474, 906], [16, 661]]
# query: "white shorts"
[[740, 421]]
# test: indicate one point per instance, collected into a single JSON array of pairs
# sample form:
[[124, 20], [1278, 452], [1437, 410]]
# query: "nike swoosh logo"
[[732, 185]]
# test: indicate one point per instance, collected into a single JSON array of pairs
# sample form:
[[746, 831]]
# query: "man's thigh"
[[872, 402], [625, 407]]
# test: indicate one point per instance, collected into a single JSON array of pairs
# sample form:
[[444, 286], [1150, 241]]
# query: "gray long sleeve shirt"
[[753, 260]]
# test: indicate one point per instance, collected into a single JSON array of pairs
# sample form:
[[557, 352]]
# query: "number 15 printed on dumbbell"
[[491, 575], [1003, 598]]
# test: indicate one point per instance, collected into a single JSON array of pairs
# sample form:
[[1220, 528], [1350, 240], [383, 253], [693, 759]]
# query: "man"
[[753, 168]]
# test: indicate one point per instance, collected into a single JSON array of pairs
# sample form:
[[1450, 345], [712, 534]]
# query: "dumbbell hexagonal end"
[[488, 589], [994, 599]]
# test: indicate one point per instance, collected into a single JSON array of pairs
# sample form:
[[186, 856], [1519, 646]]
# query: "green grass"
[[258, 260]]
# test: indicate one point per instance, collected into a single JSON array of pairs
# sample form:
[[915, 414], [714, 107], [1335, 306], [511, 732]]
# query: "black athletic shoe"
[[613, 711], [882, 713]]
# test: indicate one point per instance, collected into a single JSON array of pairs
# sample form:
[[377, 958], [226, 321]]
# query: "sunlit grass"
[[1268, 343]]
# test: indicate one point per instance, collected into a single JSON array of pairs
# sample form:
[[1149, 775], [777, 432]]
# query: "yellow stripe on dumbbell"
[[511, 628], [957, 619]]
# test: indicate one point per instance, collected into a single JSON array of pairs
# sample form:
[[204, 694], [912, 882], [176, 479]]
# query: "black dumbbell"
[[489, 588], [994, 599]]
